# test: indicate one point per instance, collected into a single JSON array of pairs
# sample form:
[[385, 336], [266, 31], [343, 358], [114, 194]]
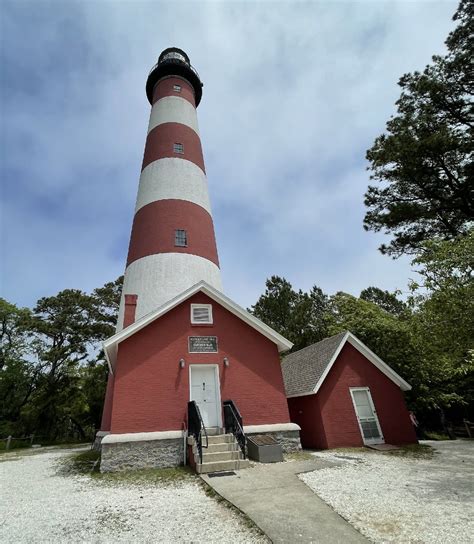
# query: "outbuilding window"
[[201, 314], [178, 148], [180, 238]]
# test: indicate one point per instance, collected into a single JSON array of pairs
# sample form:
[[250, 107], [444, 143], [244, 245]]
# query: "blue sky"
[[294, 94]]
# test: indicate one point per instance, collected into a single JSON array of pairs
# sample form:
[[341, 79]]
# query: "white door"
[[367, 416], [205, 391]]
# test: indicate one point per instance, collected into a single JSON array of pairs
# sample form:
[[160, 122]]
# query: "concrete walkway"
[[282, 506]]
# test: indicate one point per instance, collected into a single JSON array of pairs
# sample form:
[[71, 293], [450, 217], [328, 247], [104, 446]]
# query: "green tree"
[[444, 319], [296, 315], [106, 300], [424, 162], [52, 368], [385, 300], [384, 333], [66, 333], [17, 373]]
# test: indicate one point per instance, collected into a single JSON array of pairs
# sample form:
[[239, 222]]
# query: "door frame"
[[367, 441], [218, 387]]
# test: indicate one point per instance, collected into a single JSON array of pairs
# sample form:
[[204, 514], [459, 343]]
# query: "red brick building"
[[341, 394], [199, 346]]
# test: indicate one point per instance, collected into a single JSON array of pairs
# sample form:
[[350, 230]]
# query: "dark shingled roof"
[[302, 369]]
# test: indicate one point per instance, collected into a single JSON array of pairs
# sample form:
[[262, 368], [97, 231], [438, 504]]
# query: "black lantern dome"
[[173, 62]]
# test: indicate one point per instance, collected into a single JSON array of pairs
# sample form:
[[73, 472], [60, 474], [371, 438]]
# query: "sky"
[[294, 94]]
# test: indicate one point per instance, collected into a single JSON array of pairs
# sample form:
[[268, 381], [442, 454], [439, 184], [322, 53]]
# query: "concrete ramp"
[[283, 506]]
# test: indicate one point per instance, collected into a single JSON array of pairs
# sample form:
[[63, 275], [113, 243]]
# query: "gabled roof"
[[111, 344], [305, 370]]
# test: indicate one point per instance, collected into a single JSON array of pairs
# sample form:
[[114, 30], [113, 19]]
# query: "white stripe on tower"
[[171, 178], [173, 195], [173, 109], [171, 269]]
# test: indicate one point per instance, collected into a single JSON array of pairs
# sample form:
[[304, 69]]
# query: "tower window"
[[180, 238], [177, 88], [178, 148]]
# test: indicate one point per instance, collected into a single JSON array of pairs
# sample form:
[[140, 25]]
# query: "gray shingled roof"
[[302, 369]]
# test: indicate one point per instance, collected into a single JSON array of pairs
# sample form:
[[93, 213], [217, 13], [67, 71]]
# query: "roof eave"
[[377, 361], [369, 354], [110, 345]]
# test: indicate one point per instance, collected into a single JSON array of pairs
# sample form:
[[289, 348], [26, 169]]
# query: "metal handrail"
[[175, 61], [196, 427], [233, 423]]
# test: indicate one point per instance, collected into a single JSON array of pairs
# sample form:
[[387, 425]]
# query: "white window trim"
[[177, 88], [175, 150], [367, 441], [209, 307]]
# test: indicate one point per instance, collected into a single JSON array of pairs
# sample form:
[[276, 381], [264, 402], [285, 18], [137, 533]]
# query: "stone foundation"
[[289, 440], [132, 455], [98, 440]]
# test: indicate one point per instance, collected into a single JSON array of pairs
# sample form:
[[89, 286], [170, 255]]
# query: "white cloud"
[[294, 93]]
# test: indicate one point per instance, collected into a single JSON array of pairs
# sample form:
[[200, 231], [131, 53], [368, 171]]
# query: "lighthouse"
[[191, 373], [172, 244]]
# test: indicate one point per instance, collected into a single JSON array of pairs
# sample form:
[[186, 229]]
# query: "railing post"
[[9, 440]]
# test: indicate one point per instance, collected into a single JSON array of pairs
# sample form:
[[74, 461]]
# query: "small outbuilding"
[[343, 395]]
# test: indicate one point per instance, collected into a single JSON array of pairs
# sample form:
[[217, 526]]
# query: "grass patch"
[[88, 463], [147, 476], [85, 462], [355, 449], [413, 451], [22, 452], [433, 435], [14, 445], [298, 456], [29, 450]]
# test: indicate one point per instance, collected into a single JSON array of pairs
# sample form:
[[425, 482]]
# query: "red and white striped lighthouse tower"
[[172, 245]]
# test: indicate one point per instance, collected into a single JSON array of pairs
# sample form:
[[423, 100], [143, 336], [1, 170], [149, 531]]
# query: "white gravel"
[[39, 505], [400, 499]]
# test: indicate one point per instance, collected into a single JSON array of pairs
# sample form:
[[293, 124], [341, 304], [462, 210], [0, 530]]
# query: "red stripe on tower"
[[172, 226], [173, 140], [170, 86]]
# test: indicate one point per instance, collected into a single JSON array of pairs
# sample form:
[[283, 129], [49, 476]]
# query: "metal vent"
[[201, 314]]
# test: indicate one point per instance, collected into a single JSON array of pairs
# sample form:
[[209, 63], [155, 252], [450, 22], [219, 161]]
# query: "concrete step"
[[219, 438], [219, 466], [220, 456], [223, 446], [212, 431], [214, 439]]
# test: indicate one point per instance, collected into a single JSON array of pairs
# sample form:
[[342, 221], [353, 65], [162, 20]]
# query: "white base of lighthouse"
[[177, 271]]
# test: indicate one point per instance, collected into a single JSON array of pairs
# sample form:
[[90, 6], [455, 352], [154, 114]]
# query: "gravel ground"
[[39, 505], [400, 499]]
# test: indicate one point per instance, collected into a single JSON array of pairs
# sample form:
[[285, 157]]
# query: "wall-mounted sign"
[[203, 344]]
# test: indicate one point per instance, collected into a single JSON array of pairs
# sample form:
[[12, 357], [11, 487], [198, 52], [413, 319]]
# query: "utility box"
[[264, 448]]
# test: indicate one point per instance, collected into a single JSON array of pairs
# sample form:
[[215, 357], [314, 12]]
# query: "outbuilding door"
[[205, 391], [366, 416]]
